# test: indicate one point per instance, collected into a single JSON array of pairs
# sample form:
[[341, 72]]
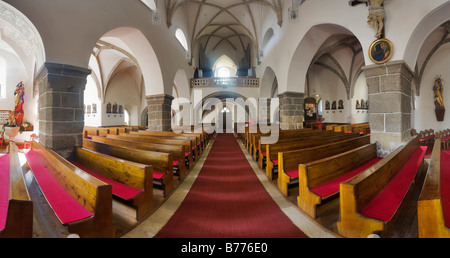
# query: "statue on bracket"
[[438, 89]]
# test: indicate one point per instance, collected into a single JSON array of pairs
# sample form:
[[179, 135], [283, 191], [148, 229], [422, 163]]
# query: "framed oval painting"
[[381, 51]]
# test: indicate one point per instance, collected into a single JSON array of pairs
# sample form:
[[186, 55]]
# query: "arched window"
[[267, 37], [224, 67], [181, 38], [223, 72]]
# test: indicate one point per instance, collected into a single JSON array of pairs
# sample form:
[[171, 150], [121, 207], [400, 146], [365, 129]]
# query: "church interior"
[[224, 119]]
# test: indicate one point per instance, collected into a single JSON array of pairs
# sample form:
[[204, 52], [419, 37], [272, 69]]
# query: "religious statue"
[[438, 89], [19, 100], [376, 14], [108, 108]]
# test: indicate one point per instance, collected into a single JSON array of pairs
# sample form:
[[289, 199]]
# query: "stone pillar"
[[61, 113], [291, 110], [264, 111], [390, 104], [159, 112]]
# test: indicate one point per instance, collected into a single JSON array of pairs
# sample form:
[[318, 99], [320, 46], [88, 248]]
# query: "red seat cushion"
[[445, 186], [292, 173], [445, 138], [122, 190], [332, 187], [175, 162], [275, 161], [63, 204], [4, 189], [186, 154], [158, 174], [385, 204]]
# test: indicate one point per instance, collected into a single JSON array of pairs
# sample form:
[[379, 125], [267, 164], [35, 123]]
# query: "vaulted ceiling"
[[226, 26]]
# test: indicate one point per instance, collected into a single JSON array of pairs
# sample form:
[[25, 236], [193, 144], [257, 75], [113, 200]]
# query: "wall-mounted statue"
[[376, 14], [114, 109], [438, 89], [108, 108]]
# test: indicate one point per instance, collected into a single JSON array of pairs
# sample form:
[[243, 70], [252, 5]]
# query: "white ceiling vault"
[[225, 27]]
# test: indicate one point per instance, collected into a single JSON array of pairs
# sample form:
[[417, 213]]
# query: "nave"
[[268, 213], [208, 204]]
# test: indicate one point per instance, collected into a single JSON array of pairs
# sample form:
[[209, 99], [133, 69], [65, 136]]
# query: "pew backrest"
[[177, 151], [371, 182], [160, 161], [289, 160], [324, 170], [80, 185], [17, 218]]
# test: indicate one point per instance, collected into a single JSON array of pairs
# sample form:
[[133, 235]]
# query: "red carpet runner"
[[228, 201]]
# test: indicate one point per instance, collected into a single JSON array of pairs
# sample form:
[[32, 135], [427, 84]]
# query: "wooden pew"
[[16, 207], [177, 151], [200, 132], [89, 131], [361, 128], [196, 151], [80, 201], [187, 144], [199, 141], [288, 161], [131, 182], [383, 197], [123, 129], [271, 150], [319, 180], [286, 137], [199, 137], [431, 219], [162, 163]]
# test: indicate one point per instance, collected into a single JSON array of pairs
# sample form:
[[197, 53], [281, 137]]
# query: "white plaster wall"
[[14, 73], [293, 52], [424, 114], [62, 28], [122, 90], [361, 91], [91, 97], [330, 87]]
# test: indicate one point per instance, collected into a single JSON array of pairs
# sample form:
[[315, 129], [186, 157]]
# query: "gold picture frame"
[[381, 51]]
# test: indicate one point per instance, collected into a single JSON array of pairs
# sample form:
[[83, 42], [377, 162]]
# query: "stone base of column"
[[159, 112], [61, 112], [390, 104], [291, 110]]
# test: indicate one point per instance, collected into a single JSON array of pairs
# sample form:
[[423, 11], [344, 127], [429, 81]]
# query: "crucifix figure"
[[376, 14]]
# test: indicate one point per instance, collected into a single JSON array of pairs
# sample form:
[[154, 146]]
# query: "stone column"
[[159, 112], [61, 113], [291, 110], [389, 104], [264, 111]]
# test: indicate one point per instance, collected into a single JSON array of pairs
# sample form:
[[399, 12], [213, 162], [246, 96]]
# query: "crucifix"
[[376, 14]]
